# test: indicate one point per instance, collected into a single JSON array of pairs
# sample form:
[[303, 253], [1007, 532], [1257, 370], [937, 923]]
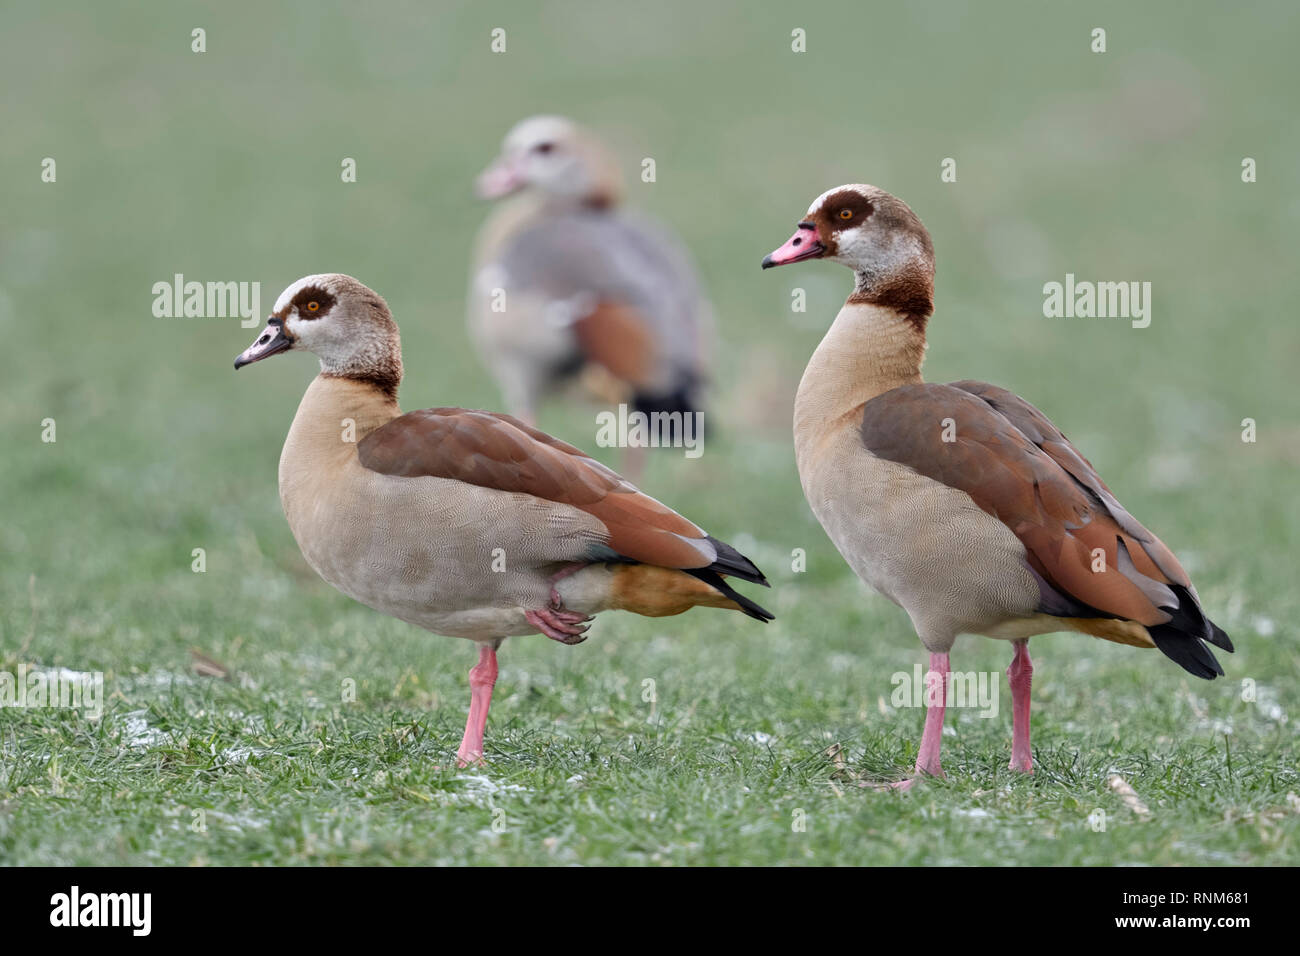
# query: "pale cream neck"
[[868, 350], [334, 414]]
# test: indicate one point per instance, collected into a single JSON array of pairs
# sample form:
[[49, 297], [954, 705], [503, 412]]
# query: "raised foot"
[[567, 627]]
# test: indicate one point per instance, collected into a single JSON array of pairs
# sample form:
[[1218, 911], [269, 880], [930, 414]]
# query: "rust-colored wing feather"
[[1153, 559], [1017, 466], [498, 451], [617, 337]]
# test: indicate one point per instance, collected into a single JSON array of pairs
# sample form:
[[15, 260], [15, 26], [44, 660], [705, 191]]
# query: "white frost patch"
[[241, 754], [137, 733], [479, 790], [237, 821], [477, 783]]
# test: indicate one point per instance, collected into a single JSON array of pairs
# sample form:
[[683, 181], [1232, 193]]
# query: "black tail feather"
[[715, 580], [1218, 638], [1185, 650], [1183, 638], [732, 562], [678, 400]]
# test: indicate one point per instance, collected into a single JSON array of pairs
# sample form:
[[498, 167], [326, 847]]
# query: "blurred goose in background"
[[466, 523], [565, 283], [962, 503]]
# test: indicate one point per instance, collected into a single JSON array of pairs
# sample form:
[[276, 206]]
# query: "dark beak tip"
[[767, 262]]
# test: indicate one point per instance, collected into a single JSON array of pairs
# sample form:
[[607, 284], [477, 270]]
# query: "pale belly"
[[927, 547], [465, 564]]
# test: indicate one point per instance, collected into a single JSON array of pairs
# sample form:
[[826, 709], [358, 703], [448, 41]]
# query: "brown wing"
[[617, 337], [1019, 468], [1036, 426], [498, 451]]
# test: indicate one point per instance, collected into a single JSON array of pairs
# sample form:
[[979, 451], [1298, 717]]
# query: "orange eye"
[[846, 213], [313, 306]]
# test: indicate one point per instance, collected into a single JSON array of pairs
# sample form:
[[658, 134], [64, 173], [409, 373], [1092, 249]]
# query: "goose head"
[[877, 236], [554, 157], [342, 322]]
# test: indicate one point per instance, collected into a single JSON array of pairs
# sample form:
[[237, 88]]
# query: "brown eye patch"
[[312, 302], [845, 209]]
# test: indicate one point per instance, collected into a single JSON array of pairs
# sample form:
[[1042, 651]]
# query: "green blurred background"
[[225, 165]]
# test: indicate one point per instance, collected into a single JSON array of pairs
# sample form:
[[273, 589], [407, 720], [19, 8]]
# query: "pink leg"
[[927, 758], [482, 678], [1019, 675]]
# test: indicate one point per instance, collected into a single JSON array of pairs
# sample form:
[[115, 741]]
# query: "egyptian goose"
[[466, 523], [564, 282], [962, 503]]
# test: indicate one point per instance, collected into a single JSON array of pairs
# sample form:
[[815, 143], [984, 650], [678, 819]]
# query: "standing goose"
[[566, 282], [466, 523], [962, 503]]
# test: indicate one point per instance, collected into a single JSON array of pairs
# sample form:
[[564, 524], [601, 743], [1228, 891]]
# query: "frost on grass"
[[136, 733], [241, 754], [477, 790]]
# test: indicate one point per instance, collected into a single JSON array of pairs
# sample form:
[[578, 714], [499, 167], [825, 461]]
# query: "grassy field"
[[225, 165]]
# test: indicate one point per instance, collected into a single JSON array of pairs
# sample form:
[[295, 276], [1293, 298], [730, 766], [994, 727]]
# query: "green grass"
[[225, 166]]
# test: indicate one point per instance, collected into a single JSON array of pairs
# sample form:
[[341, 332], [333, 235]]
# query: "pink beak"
[[499, 179], [804, 244]]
